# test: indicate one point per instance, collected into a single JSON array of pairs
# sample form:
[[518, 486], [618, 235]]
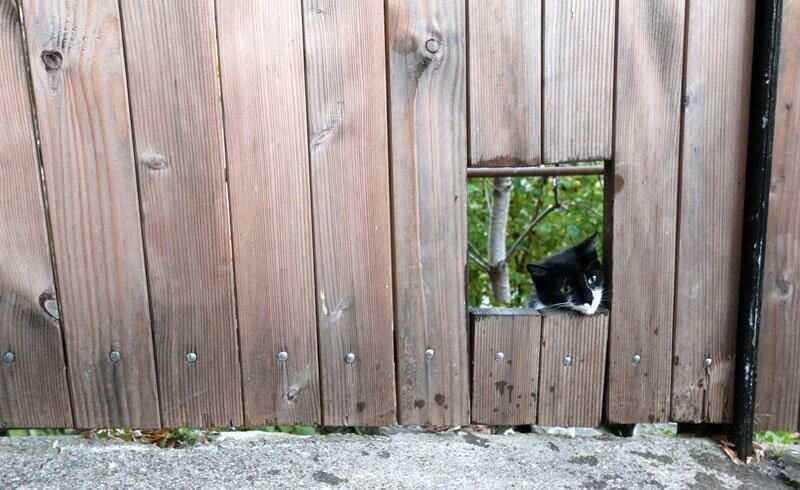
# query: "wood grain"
[[91, 186], [170, 49], [648, 99], [346, 86], [267, 145], [505, 82], [34, 387], [778, 386], [429, 154], [505, 392], [714, 153], [572, 395], [578, 81]]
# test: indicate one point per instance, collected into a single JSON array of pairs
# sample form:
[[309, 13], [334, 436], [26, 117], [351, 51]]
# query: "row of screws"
[[567, 361], [115, 356]]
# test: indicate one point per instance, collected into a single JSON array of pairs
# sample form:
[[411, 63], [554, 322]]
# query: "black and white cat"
[[572, 279]]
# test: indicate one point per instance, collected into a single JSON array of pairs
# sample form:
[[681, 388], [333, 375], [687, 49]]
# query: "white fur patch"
[[590, 309]]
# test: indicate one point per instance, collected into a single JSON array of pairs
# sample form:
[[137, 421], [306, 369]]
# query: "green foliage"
[[581, 215], [666, 431], [777, 437]]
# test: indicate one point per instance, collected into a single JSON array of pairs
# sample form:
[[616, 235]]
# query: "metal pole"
[[474, 172], [766, 47]]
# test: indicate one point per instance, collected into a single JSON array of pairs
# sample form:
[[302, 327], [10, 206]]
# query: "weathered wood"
[[505, 391], [505, 82], [429, 154], [714, 153], [578, 81], [79, 82], [648, 99], [170, 50], [346, 86], [263, 88], [572, 370], [34, 386], [778, 386]]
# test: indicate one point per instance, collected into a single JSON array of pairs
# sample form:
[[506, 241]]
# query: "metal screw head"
[[707, 362], [52, 59], [350, 358], [191, 358], [9, 358], [283, 356], [429, 354], [115, 356], [432, 45], [636, 360], [499, 357], [567, 361]]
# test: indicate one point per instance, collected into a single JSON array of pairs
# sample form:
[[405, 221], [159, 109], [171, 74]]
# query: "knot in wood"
[[49, 303], [52, 59], [156, 163]]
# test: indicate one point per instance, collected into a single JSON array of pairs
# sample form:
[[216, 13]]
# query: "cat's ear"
[[537, 270], [588, 246]]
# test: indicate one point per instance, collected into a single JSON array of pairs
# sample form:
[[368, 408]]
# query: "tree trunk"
[[498, 266]]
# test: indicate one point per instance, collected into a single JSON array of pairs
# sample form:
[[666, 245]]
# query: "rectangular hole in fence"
[[517, 220]]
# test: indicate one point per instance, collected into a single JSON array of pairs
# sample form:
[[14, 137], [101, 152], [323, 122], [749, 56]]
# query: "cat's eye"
[[592, 279], [566, 289]]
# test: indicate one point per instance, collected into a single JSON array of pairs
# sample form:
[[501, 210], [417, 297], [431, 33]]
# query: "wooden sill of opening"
[[551, 372]]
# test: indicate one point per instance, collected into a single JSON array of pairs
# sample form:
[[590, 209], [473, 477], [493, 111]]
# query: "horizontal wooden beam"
[[477, 172]]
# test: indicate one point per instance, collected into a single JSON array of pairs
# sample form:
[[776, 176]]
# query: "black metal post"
[[766, 49]]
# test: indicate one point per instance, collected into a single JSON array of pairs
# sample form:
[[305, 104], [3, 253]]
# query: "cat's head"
[[571, 279]]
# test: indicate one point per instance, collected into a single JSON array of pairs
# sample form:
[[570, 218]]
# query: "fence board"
[[578, 82], [571, 394], [505, 82], [266, 140], [34, 385], [505, 392], [88, 162], [648, 98], [345, 66], [170, 49], [429, 153], [778, 386], [714, 153]]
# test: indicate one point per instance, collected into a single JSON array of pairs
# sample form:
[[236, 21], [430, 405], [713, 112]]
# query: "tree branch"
[[473, 253], [531, 226], [556, 205]]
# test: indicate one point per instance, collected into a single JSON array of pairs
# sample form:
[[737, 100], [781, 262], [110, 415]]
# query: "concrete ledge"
[[243, 460]]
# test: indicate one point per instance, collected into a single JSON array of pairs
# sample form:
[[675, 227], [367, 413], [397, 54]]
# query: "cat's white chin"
[[590, 309]]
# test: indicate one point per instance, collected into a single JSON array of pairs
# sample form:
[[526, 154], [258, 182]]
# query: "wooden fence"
[[254, 212]]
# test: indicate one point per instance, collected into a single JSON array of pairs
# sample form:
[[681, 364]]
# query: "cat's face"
[[571, 279]]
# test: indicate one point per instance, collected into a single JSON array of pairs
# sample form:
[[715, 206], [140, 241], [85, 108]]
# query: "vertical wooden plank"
[[505, 81], [265, 132], [778, 386], [714, 153], [33, 384], [505, 389], [81, 99], [346, 86], [648, 99], [572, 370], [170, 49], [578, 80], [429, 154]]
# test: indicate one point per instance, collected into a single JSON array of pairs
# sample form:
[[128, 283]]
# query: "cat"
[[572, 279]]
